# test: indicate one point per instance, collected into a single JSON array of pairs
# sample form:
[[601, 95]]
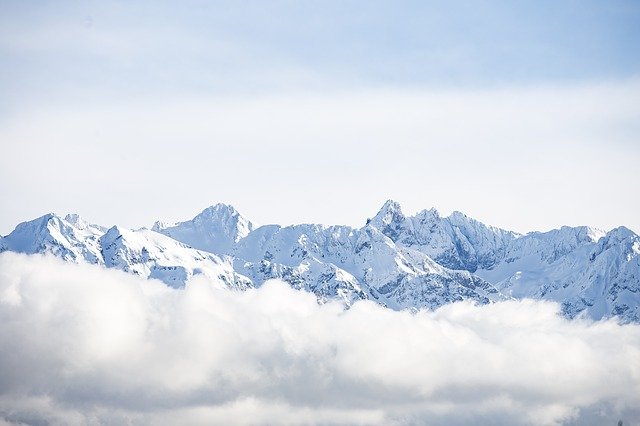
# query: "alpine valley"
[[402, 262]]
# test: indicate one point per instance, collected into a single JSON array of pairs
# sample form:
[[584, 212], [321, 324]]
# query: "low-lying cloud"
[[85, 345]]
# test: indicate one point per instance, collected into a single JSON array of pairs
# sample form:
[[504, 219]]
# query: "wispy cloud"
[[85, 345]]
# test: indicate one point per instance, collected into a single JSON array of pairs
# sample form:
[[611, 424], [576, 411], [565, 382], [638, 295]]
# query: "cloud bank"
[[85, 345]]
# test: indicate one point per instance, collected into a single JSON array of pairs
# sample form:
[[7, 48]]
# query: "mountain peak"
[[227, 219], [41, 221], [431, 213], [79, 222], [621, 233], [391, 205], [74, 218], [390, 212], [53, 234], [459, 215], [114, 230], [159, 225], [215, 229], [223, 213], [219, 209], [37, 225], [389, 219]]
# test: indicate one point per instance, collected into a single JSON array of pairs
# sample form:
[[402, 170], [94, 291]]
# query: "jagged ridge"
[[399, 261]]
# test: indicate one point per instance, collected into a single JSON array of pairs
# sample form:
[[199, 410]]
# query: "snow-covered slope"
[[583, 268], [216, 229], [70, 238], [361, 263], [307, 256], [399, 261], [153, 255], [141, 252], [457, 241]]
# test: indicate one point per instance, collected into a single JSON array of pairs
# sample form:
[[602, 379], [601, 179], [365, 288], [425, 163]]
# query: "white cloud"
[[85, 345]]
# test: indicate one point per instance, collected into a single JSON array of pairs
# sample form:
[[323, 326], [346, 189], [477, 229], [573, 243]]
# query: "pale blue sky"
[[148, 47], [273, 105]]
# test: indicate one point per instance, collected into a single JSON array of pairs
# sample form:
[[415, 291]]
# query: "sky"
[[524, 115]]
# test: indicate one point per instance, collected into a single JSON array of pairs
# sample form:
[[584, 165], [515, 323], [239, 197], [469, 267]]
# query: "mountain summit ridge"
[[216, 229], [420, 261]]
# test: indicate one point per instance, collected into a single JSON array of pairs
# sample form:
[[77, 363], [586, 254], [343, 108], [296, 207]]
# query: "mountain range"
[[399, 261]]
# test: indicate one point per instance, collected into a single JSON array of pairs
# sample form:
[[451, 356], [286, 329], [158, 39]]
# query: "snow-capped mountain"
[[400, 261], [363, 263], [70, 238], [585, 269], [457, 241], [216, 229], [153, 255], [142, 252]]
